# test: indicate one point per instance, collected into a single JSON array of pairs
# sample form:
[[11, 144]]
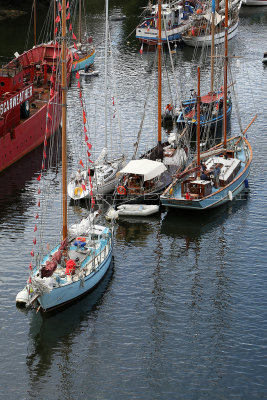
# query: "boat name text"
[[16, 100]]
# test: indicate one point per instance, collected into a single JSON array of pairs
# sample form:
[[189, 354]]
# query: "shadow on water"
[[55, 333], [192, 225]]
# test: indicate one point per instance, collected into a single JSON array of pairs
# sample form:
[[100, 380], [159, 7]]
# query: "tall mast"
[[212, 45], [55, 15], [64, 122], [159, 74], [34, 21], [225, 73], [106, 74], [80, 22], [198, 116]]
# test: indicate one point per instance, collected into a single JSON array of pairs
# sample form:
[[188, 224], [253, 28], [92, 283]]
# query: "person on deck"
[[216, 173], [78, 177]]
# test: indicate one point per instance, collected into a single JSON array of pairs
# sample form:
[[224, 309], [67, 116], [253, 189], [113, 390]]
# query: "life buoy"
[[121, 190], [81, 239], [78, 191]]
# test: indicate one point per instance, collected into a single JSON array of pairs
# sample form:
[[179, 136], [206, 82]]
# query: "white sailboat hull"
[[206, 40]]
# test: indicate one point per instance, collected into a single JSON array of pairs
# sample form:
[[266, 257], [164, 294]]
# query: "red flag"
[[73, 36], [56, 30], [45, 142], [75, 46], [39, 191], [90, 161], [68, 16], [68, 4], [77, 75], [32, 253], [70, 27], [39, 204], [88, 153], [39, 178], [57, 20], [49, 116], [85, 130], [35, 228], [76, 56], [59, 7], [85, 138], [37, 216], [80, 94], [42, 165], [79, 84], [30, 266], [34, 241], [84, 187], [93, 202], [89, 145], [30, 280], [81, 163], [54, 68], [44, 154]]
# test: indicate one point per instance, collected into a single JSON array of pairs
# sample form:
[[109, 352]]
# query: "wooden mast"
[[34, 21], [212, 45], [64, 122], [80, 22], [198, 116], [159, 78], [225, 74]]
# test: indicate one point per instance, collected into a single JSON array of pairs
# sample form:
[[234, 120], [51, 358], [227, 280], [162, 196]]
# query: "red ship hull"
[[19, 134]]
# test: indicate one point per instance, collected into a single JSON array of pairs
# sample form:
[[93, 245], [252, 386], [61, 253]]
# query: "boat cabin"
[[140, 176]]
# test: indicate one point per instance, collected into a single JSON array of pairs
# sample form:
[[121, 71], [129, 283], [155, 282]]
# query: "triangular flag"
[[39, 191], [70, 27], [39, 178], [37, 216], [79, 84], [68, 4], [81, 163], [73, 36], [59, 7], [56, 30], [68, 16], [77, 75], [89, 145], [34, 241], [75, 46], [44, 153], [83, 187], [38, 204], [30, 266], [32, 253], [57, 20], [85, 138], [35, 228]]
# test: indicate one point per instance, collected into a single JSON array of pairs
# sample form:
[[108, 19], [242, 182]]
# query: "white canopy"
[[147, 168]]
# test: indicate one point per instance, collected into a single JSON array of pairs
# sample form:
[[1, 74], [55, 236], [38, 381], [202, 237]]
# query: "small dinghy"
[[134, 210], [91, 72], [264, 60]]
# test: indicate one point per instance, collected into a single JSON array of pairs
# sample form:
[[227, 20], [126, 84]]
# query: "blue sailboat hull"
[[62, 295]]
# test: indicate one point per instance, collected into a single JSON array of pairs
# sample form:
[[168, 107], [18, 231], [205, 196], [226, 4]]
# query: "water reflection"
[[55, 334]]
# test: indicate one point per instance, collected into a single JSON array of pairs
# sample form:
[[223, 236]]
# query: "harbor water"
[[182, 312]]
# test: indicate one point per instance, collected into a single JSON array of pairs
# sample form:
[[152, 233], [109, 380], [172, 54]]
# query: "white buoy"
[[230, 195]]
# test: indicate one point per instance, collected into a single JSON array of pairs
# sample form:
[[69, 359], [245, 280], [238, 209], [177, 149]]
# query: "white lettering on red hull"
[[16, 100]]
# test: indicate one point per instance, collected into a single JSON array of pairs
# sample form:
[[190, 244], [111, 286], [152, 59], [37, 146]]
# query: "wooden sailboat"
[[84, 54], [143, 179], [76, 265], [105, 168], [218, 175], [200, 34], [211, 104]]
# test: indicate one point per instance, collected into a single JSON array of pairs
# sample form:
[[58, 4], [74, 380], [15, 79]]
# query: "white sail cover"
[[218, 18], [147, 168]]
